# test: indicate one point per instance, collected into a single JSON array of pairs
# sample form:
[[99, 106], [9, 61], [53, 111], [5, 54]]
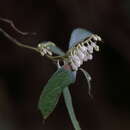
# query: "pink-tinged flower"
[[83, 51], [90, 49], [74, 67], [80, 54]]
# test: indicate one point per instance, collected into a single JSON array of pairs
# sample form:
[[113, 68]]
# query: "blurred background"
[[23, 73]]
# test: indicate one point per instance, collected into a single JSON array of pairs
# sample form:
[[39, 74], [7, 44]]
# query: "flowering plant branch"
[[81, 46]]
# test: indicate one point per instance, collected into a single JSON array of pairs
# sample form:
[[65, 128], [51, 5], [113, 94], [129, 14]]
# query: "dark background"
[[24, 72]]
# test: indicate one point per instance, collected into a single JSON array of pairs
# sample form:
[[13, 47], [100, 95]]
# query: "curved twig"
[[14, 27], [17, 42]]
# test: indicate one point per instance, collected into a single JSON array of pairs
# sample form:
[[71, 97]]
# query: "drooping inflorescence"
[[75, 56], [83, 51], [44, 48]]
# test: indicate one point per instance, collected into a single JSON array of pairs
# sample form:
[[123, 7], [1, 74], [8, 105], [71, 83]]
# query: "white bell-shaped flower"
[[90, 49], [95, 46], [86, 58], [83, 48], [90, 56], [74, 67], [76, 60], [77, 63], [80, 54]]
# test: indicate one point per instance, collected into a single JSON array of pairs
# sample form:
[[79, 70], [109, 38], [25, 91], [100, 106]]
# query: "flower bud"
[[49, 52], [76, 60], [95, 38], [96, 48], [98, 38], [43, 51]]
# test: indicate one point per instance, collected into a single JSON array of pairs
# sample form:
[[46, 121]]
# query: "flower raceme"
[[83, 51], [44, 49], [75, 56]]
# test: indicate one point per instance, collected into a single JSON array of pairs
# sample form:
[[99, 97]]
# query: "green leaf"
[[53, 89], [88, 77], [68, 102], [77, 36]]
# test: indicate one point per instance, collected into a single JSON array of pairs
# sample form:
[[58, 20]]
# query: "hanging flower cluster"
[[83, 51], [75, 56], [44, 49]]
